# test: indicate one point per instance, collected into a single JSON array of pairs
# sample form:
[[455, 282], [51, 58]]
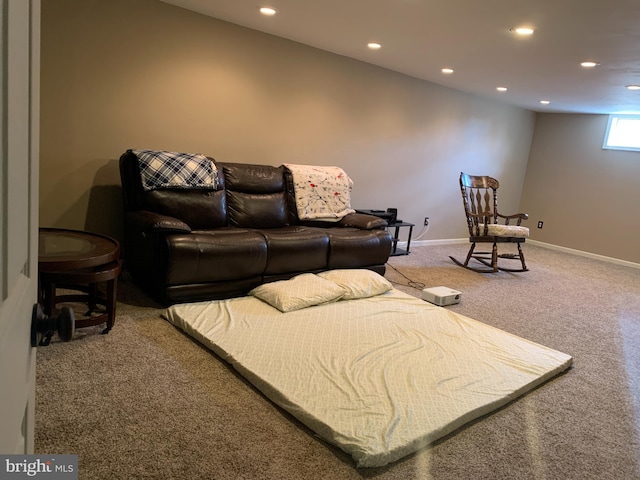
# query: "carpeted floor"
[[145, 401]]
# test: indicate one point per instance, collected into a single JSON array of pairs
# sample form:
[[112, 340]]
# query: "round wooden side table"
[[81, 262]]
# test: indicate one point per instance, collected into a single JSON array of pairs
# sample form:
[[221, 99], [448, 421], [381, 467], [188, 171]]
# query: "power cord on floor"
[[422, 233], [411, 283]]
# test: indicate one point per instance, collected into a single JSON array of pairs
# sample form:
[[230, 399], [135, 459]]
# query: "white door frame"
[[19, 185]]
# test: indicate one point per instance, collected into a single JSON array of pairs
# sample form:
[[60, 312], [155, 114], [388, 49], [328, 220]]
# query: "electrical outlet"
[[540, 223], [426, 221]]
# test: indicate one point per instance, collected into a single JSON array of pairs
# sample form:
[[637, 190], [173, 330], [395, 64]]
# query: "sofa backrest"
[[256, 195], [199, 208], [248, 196]]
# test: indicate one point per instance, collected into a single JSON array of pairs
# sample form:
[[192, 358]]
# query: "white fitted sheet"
[[379, 377]]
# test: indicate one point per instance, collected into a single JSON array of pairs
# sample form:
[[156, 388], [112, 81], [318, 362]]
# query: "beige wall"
[[587, 197], [120, 74]]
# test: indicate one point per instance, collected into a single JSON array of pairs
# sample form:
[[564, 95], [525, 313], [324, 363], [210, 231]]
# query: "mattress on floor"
[[378, 377]]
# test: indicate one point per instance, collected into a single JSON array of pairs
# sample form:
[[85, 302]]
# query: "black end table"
[[395, 251]]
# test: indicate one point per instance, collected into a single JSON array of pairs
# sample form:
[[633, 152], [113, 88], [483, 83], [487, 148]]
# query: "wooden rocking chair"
[[479, 195]]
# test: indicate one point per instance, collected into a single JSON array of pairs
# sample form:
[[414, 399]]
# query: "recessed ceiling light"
[[523, 30], [633, 87], [374, 46], [545, 102], [589, 64], [447, 71], [501, 89], [268, 11]]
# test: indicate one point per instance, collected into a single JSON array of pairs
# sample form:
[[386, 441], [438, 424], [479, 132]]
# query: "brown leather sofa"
[[183, 245]]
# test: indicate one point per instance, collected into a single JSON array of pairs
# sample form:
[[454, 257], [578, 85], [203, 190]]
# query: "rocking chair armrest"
[[519, 216]]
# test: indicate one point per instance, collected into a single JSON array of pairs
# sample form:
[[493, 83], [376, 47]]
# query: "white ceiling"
[[419, 37]]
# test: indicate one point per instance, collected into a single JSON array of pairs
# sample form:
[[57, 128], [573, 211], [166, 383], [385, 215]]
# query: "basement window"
[[623, 133]]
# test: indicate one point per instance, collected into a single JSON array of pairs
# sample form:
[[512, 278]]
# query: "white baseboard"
[[444, 241], [455, 241], [585, 254]]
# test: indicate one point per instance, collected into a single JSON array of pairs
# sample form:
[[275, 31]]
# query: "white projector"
[[441, 296]]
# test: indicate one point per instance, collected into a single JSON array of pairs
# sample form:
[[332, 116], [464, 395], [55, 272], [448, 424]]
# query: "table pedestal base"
[[87, 281]]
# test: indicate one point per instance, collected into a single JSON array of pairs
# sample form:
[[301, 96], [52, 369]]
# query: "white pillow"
[[358, 283], [302, 291]]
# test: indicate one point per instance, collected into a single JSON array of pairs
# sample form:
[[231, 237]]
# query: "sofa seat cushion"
[[215, 255], [295, 249], [354, 248]]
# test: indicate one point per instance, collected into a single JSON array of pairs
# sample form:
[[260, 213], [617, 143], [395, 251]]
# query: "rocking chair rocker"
[[480, 199]]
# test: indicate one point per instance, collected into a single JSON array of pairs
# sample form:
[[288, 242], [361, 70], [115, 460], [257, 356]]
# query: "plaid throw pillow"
[[160, 169]]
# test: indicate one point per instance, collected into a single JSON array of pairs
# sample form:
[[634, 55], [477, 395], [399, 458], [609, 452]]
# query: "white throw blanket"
[[322, 193]]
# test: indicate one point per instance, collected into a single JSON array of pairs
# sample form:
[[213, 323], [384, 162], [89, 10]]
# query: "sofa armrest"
[[363, 221], [145, 221]]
